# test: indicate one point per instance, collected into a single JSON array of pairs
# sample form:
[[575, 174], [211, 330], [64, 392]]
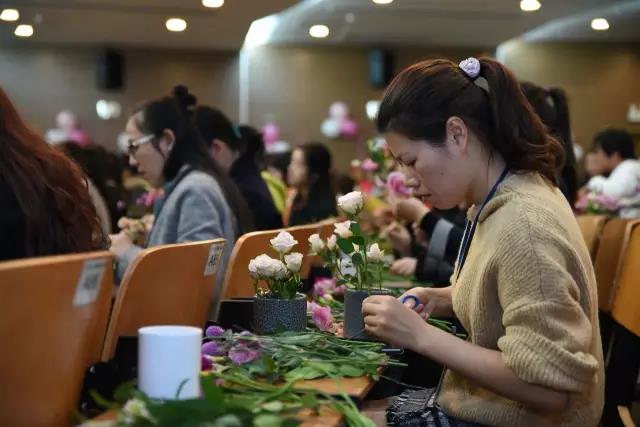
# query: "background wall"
[[44, 80], [294, 87], [601, 80]]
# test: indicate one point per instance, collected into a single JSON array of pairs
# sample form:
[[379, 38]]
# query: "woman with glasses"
[[45, 207], [199, 202]]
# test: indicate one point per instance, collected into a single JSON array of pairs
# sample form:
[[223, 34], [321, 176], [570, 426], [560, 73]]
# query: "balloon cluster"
[[339, 123]]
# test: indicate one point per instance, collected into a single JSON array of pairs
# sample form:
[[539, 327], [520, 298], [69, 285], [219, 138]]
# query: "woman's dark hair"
[[253, 144], [317, 159], [615, 141], [105, 171], [176, 114], [213, 124], [420, 100], [50, 188], [552, 107]]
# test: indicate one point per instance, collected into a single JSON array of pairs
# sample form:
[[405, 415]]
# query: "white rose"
[[356, 248], [351, 203], [136, 408], [265, 267], [331, 242], [293, 261], [283, 242], [317, 245], [343, 229], [375, 254]]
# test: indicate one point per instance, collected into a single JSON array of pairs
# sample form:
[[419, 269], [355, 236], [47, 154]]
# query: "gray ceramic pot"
[[353, 318], [276, 315]]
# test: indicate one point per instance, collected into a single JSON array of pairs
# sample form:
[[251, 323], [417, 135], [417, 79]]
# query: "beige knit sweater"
[[528, 290]]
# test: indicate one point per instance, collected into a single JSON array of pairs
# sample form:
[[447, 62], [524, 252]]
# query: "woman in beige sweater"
[[523, 287]]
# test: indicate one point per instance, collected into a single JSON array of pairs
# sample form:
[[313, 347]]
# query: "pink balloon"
[[349, 129], [271, 133]]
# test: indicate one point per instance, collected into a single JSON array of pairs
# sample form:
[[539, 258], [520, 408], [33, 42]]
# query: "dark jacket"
[[13, 233], [246, 175], [444, 230], [320, 205]]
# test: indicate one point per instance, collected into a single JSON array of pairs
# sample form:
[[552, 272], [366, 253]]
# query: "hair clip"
[[471, 67]]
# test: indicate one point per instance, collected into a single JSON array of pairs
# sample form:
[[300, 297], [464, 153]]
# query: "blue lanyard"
[[470, 228]]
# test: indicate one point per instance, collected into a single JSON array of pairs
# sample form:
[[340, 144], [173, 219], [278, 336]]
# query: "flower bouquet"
[[137, 229], [597, 204], [355, 261], [279, 306]]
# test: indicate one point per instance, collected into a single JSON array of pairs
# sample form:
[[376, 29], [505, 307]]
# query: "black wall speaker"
[[380, 68], [110, 69]]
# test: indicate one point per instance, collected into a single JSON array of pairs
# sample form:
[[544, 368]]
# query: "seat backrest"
[[170, 284], [625, 306], [237, 281], [52, 310], [591, 227], [607, 259]]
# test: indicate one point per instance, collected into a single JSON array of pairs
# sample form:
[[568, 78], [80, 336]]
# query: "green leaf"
[[267, 420], [275, 406], [355, 228], [357, 259], [228, 421], [351, 371], [304, 373], [309, 400], [345, 245], [358, 240]]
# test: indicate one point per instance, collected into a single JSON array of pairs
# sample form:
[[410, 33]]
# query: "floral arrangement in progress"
[[278, 305]]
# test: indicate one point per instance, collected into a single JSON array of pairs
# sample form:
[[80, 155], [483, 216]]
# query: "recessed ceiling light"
[[600, 24], [530, 5], [212, 3], [176, 24], [24, 30], [9, 15], [319, 31], [383, 1]]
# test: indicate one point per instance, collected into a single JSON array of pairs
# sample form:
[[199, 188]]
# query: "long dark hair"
[[552, 107], [424, 96], [176, 113], [50, 188], [214, 124], [317, 159]]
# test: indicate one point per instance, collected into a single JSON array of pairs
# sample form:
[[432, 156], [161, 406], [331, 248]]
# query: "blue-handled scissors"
[[407, 298]]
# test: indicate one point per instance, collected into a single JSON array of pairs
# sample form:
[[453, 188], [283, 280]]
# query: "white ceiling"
[[472, 23], [138, 22], [468, 23]]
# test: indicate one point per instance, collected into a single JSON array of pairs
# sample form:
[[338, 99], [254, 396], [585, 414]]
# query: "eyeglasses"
[[135, 144]]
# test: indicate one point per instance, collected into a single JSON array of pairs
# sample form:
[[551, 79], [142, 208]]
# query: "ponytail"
[[488, 98]]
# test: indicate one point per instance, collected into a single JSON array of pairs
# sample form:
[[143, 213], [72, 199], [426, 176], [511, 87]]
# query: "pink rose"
[[322, 317], [323, 286], [396, 184], [369, 165]]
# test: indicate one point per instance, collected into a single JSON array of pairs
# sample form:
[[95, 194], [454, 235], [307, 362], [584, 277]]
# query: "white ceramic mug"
[[169, 361]]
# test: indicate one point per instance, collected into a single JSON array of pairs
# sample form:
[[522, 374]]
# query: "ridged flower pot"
[[353, 318], [272, 315]]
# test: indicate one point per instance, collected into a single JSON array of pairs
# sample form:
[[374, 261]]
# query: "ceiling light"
[[261, 31], [9, 15], [24, 30], [600, 24], [383, 1], [212, 3], [319, 31], [530, 5], [176, 24]]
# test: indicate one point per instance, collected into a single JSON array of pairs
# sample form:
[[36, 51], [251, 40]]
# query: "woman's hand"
[[120, 243], [404, 266], [400, 238], [432, 301], [411, 210], [391, 321]]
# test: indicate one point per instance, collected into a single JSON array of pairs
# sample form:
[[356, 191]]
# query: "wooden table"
[[355, 387], [326, 417]]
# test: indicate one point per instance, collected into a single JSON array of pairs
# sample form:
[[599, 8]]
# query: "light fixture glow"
[[24, 30], [260, 31], [212, 3], [176, 24], [9, 15], [600, 24], [383, 1], [319, 31], [530, 5]]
